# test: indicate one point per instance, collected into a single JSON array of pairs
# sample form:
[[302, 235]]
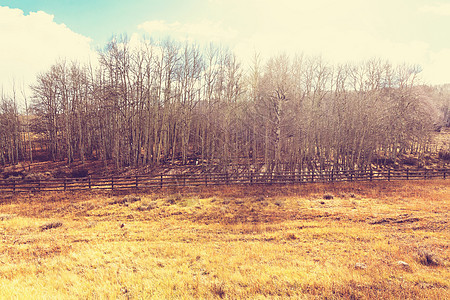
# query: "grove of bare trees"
[[152, 103]]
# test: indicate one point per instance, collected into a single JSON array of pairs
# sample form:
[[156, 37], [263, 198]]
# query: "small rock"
[[278, 203], [403, 265], [360, 266], [122, 225]]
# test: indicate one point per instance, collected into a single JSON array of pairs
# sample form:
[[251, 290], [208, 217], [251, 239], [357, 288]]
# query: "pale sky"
[[34, 33]]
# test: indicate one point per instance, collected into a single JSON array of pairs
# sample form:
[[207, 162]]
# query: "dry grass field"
[[383, 240]]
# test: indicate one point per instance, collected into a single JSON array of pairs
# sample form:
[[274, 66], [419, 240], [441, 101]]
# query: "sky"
[[34, 34]]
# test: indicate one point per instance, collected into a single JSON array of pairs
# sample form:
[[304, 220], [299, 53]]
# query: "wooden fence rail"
[[211, 179]]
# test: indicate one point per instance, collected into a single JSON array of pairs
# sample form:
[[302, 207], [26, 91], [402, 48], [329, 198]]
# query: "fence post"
[[251, 177], [112, 182], [90, 184], [206, 179], [445, 171], [39, 185], [137, 184], [161, 182], [65, 187], [14, 186], [407, 174], [371, 174], [389, 174], [351, 175]]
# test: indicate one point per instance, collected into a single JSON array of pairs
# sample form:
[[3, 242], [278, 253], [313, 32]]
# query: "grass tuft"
[[50, 225], [328, 196], [173, 198], [4, 217], [428, 258], [131, 198], [218, 289]]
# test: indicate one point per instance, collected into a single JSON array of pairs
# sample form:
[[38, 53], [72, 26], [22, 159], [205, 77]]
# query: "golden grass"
[[229, 242]]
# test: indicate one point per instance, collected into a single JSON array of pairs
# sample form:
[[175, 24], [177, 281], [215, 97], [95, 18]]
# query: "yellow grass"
[[229, 242]]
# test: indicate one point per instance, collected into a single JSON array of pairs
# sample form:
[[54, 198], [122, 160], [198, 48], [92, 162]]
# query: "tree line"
[[151, 103]]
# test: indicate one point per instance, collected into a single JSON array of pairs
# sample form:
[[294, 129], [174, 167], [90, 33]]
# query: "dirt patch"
[[269, 210], [4, 217], [50, 225], [395, 220]]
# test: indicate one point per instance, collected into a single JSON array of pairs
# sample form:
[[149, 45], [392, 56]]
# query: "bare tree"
[[160, 102]]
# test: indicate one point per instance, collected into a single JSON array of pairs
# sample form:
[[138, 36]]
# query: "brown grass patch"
[[230, 242]]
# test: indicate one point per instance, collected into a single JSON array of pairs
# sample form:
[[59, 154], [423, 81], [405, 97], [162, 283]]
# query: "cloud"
[[339, 31], [156, 26], [32, 43], [437, 67], [202, 31], [342, 31], [441, 9], [335, 44]]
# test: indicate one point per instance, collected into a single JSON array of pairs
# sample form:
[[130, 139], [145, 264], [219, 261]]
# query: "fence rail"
[[211, 179]]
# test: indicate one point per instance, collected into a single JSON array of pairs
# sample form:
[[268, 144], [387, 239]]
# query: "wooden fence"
[[181, 180]]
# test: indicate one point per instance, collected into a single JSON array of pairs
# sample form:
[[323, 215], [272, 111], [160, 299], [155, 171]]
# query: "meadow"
[[352, 240]]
